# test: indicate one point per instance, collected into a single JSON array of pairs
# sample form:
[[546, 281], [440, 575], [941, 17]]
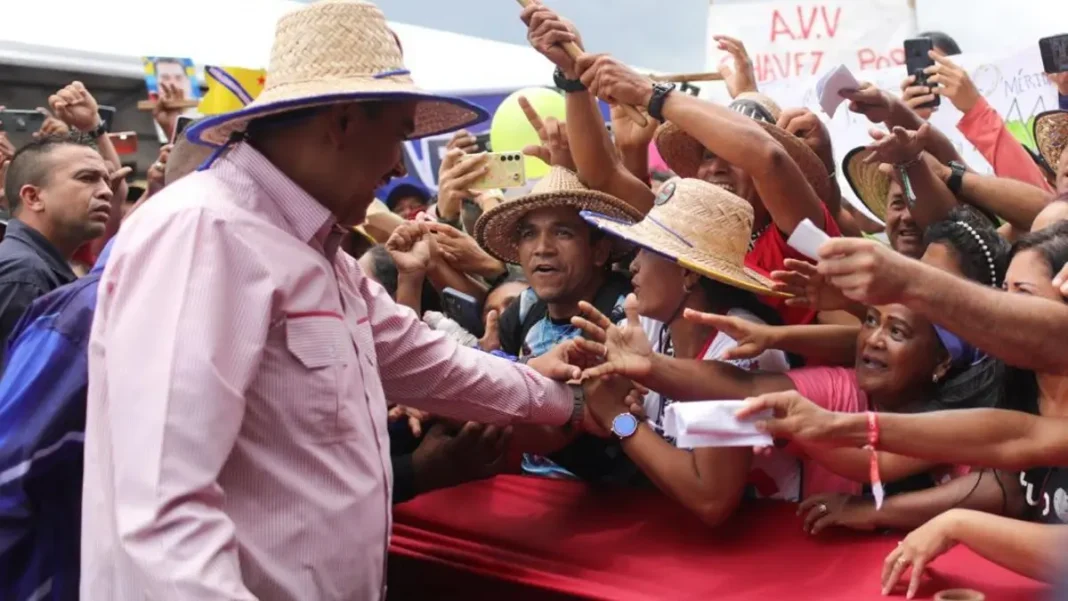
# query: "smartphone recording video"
[[1054, 51], [917, 58]]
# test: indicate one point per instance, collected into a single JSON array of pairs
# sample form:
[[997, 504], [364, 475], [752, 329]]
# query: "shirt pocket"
[[317, 343]]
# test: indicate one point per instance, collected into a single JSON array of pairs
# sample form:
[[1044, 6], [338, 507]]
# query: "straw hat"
[[379, 224], [496, 231], [869, 183], [338, 51], [684, 154], [700, 226], [1051, 136]]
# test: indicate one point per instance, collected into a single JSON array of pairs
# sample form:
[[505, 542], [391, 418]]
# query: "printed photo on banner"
[[230, 88], [172, 71]]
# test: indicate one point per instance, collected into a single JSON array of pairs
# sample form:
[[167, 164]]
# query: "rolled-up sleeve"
[[181, 348], [425, 369]]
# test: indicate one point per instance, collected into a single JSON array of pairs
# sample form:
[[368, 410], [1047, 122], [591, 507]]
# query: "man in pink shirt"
[[236, 444]]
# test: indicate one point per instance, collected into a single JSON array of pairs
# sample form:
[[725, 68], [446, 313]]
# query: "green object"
[[1023, 132], [511, 132]]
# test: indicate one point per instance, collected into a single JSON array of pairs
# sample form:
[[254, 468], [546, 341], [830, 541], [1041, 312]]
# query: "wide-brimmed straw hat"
[[497, 230], [700, 226], [684, 154], [870, 184], [337, 51], [379, 223], [1051, 136]]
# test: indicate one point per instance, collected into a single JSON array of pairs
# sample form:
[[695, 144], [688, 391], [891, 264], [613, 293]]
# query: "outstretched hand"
[[793, 417], [752, 338], [803, 280], [625, 349]]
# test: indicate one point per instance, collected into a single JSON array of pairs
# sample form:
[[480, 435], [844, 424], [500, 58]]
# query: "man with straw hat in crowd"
[[236, 444]]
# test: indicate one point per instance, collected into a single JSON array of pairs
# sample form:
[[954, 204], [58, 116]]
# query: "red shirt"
[[770, 253]]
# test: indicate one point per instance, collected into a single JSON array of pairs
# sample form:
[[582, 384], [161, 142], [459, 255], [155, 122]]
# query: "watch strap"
[[956, 177], [567, 85], [656, 102], [578, 410], [100, 129]]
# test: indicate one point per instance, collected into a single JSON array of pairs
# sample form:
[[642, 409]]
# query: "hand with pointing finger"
[[752, 339], [554, 148]]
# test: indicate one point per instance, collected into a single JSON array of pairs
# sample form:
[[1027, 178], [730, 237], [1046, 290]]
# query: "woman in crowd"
[[692, 248], [902, 363]]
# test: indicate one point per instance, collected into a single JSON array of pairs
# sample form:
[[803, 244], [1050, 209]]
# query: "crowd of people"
[[217, 390]]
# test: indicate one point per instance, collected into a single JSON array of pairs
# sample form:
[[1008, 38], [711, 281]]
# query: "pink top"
[[984, 128], [236, 443], [834, 389]]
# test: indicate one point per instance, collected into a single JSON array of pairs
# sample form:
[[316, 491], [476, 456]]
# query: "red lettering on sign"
[[806, 28], [831, 29], [770, 67], [869, 59], [779, 26]]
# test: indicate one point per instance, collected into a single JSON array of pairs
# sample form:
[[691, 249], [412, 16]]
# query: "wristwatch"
[[624, 425], [100, 129], [956, 177], [656, 102], [567, 85], [578, 394]]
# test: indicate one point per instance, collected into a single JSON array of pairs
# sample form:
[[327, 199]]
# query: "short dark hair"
[[942, 42], [30, 166], [1051, 243]]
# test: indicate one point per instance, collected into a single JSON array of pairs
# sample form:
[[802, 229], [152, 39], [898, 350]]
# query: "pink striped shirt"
[[236, 442]]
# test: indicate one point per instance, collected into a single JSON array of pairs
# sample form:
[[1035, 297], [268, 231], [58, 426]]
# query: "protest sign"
[[804, 38]]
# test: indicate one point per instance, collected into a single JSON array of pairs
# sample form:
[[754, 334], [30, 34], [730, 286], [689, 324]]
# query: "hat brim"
[[1051, 136], [684, 154], [870, 185], [496, 230], [434, 114], [661, 242]]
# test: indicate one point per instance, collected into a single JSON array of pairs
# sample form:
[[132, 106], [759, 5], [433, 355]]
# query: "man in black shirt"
[[59, 193]]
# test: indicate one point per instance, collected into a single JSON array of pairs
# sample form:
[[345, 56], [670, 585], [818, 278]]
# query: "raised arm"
[[880, 106], [829, 343], [932, 200], [1014, 201]]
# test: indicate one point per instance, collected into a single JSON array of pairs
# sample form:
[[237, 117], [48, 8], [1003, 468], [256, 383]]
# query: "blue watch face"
[[624, 425]]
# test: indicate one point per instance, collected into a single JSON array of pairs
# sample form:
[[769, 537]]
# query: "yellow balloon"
[[510, 131]]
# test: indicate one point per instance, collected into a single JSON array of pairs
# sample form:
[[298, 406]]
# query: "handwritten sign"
[[799, 39]]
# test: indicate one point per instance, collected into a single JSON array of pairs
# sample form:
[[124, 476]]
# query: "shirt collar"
[[44, 249], [308, 219]]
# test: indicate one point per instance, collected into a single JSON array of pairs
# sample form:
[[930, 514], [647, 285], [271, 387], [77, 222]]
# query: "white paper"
[[807, 239], [713, 424], [830, 86]]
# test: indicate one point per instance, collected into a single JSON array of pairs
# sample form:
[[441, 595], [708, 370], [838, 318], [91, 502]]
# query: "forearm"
[[599, 166], [1026, 548], [855, 464], [940, 146], [827, 343], [691, 380], [742, 142], [1023, 331], [708, 482], [934, 199], [1014, 201], [978, 490], [986, 130], [997, 438], [442, 275], [410, 291]]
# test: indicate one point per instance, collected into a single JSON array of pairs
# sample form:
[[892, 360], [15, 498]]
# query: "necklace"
[[756, 236]]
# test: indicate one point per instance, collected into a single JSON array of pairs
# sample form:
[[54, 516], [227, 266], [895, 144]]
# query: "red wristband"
[[877, 489]]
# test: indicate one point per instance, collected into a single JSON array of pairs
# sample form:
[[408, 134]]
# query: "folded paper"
[[829, 88], [807, 239], [713, 424]]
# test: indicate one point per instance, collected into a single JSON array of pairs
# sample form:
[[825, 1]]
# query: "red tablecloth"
[[517, 537]]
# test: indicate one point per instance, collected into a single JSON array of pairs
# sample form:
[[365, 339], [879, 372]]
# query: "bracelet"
[[877, 490], [906, 183]]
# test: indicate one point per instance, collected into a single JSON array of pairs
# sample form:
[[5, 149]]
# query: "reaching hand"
[[752, 338], [612, 81], [837, 509], [742, 78], [557, 364], [922, 546], [547, 32], [158, 170], [606, 398], [463, 253], [806, 125], [409, 245], [166, 111], [867, 271], [794, 418], [491, 336], [809, 289], [449, 456], [628, 134], [463, 140], [626, 349], [76, 107], [415, 418], [952, 82], [898, 147], [457, 173], [51, 126], [870, 101], [915, 97], [555, 148]]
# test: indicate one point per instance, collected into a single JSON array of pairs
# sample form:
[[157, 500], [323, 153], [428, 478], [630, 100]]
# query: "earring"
[[934, 378]]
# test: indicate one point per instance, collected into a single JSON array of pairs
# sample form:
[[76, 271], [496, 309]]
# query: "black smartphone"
[[183, 122], [107, 115], [1054, 51], [20, 125], [917, 58], [463, 309]]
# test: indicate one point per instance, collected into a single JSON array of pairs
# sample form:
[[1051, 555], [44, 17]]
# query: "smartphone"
[[125, 142], [1054, 51], [20, 125], [506, 170], [183, 122], [107, 115], [917, 58], [463, 309]]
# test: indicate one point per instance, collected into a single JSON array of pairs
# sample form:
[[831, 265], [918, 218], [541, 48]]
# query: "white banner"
[[1015, 86], [804, 38]]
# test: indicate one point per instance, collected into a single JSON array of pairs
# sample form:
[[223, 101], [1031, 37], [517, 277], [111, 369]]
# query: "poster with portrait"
[[172, 71]]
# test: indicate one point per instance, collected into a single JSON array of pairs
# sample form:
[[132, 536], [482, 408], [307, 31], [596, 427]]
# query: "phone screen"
[[20, 125], [917, 58], [183, 122], [107, 115], [1054, 51], [463, 309]]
